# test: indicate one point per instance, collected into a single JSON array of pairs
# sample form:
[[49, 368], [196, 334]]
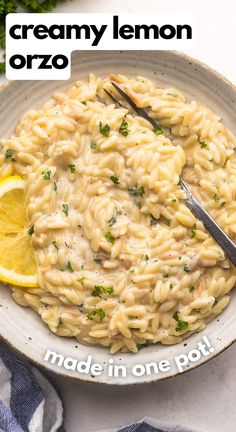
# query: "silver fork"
[[211, 226]]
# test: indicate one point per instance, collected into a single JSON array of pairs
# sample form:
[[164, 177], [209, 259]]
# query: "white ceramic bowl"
[[21, 327]]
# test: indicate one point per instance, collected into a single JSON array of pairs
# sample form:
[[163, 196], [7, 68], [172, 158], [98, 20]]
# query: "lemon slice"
[[17, 258]]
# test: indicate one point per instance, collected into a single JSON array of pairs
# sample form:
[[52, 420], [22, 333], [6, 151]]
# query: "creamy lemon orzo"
[[122, 261]]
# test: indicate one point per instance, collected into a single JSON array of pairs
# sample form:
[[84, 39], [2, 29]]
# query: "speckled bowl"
[[21, 327]]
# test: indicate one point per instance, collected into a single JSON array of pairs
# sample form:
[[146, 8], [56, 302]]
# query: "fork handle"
[[217, 233]]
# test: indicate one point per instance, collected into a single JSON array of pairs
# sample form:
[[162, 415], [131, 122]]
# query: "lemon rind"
[[9, 276], [7, 183], [6, 275]]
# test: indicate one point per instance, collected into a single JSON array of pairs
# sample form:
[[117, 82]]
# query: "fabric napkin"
[[30, 403], [151, 425]]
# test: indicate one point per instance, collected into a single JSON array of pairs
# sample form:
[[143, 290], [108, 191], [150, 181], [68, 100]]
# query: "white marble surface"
[[205, 397]]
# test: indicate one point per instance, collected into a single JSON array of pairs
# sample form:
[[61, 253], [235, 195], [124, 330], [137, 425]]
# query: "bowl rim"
[[48, 367]]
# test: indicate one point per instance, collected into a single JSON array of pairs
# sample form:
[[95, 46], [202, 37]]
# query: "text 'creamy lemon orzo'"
[[122, 261]]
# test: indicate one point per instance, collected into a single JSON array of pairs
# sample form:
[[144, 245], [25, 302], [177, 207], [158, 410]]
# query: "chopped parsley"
[[72, 168], [10, 155], [166, 221], [123, 130], [172, 94], [109, 237], [216, 198], [145, 257], [191, 289], [153, 220], [142, 345], [165, 276], [193, 234], [203, 144], [112, 221], [96, 312], [31, 230], [54, 243], [46, 174], [102, 289], [174, 200], [80, 280], [105, 130], [93, 145], [138, 204], [181, 325], [186, 269], [171, 286], [115, 179], [65, 209], [97, 259], [55, 186], [158, 130], [81, 308], [69, 267], [136, 191], [222, 204]]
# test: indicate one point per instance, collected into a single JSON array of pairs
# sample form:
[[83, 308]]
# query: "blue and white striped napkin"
[[151, 425], [30, 403]]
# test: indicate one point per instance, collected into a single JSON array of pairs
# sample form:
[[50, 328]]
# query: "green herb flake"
[[46, 174], [97, 312], [109, 237], [123, 130], [171, 286], [71, 168], [81, 308], [172, 94], [215, 302], [191, 289], [136, 191], [165, 276], [55, 186], [222, 204], [104, 130], [138, 204], [112, 221], [81, 280], [166, 221], [186, 269], [153, 220], [102, 289], [54, 243], [145, 257], [193, 233], [65, 209], [97, 259], [143, 345], [181, 325], [10, 155], [203, 144], [216, 198], [93, 145], [174, 200], [69, 267], [115, 179], [31, 230], [158, 130]]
